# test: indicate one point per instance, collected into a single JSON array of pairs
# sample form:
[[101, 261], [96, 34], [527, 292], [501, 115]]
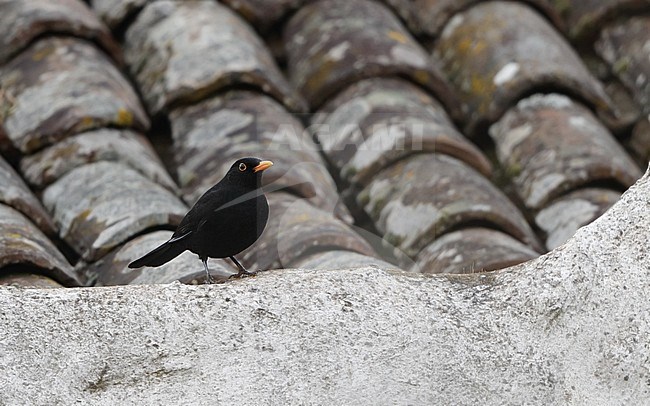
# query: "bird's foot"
[[209, 280], [242, 274]]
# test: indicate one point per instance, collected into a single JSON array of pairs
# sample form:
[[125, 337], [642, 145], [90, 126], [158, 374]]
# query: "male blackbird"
[[226, 220]]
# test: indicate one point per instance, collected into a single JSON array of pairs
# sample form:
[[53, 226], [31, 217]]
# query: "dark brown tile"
[[22, 244], [549, 144], [424, 196], [334, 43], [59, 87], [378, 121], [498, 51], [472, 250], [182, 52], [101, 205]]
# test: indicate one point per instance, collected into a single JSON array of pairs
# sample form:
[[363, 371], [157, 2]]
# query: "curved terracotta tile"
[[297, 229], [429, 17], [340, 259], [211, 135], [423, 196], [116, 12], [625, 46], [333, 43], [106, 144], [62, 86], [28, 280], [549, 144], [585, 18], [22, 244], [472, 250], [113, 268], [561, 218], [498, 51], [15, 193], [100, 205], [23, 21], [378, 121], [181, 52]]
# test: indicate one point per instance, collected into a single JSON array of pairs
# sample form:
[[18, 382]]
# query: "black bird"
[[226, 220]]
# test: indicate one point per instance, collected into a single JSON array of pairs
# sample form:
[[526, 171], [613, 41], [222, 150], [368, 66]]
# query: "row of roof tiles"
[[387, 115]]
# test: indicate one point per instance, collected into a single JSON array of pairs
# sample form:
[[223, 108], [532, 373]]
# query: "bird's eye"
[[242, 167]]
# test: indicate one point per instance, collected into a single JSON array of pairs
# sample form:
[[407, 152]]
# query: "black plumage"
[[226, 220]]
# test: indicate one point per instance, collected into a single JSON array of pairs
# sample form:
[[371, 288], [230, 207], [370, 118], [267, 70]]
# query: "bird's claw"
[[242, 274], [209, 280]]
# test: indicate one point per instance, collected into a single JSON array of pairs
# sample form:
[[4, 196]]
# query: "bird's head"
[[248, 171]]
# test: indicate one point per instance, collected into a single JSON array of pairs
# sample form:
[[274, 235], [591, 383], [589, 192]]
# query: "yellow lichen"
[[398, 36], [124, 117]]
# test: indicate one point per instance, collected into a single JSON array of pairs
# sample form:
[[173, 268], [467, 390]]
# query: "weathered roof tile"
[[550, 144], [334, 43], [561, 218], [100, 205], [62, 86], [115, 12], [429, 17], [585, 18], [423, 196], [625, 45], [340, 259], [15, 193], [106, 144], [472, 250], [297, 229], [21, 243], [498, 51], [181, 52], [23, 21], [378, 121]]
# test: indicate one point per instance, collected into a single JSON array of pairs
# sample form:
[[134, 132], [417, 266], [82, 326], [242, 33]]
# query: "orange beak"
[[262, 166]]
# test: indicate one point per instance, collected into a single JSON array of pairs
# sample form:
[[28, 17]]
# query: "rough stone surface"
[[114, 12], [569, 327]]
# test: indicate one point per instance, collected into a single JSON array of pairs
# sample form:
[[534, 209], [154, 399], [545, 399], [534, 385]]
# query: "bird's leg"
[[208, 277], [242, 270]]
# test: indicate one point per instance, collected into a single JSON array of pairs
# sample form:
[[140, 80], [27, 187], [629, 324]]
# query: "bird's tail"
[[165, 253]]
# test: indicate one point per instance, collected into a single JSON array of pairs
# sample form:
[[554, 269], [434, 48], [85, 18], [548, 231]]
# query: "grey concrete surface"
[[571, 327]]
